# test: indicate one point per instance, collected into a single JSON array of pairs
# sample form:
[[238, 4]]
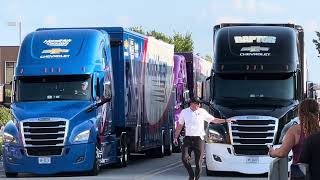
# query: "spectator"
[[310, 150], [309, 124]]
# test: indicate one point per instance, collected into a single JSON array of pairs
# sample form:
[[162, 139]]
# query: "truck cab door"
[[106, 97]]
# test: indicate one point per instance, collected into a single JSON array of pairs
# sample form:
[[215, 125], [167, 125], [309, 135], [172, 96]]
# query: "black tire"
[[161, 150], [96, 163], [169, 148], [156, 152], [11, 175], [123, 153]]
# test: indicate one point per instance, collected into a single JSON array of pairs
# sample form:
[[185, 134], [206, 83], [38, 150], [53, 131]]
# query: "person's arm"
[[287, 144], [220, 121], [211, 119], [178, 130], [305, 156]]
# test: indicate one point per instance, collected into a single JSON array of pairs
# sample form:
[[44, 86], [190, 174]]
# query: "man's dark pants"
[[195, 144]]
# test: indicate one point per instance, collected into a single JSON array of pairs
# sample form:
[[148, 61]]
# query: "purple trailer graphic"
[[190, 73], [180, 82], [197, 70]]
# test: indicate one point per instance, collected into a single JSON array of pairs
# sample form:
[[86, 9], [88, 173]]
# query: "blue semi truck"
[[87, 97]]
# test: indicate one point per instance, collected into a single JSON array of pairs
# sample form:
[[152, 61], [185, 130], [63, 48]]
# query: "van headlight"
[[215, 137], [8, 138], [83, 136]]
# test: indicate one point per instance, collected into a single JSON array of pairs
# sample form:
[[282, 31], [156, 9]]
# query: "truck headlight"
[[83, 136], [215, 137], [8, 138]]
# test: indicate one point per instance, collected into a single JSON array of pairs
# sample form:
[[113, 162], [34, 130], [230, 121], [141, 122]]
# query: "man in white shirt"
[[193, 117]]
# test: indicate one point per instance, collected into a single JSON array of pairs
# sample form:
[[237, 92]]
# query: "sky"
[[168, 16]]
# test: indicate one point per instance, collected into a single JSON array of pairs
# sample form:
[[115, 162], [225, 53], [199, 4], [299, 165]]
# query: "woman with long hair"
[[308, 113]]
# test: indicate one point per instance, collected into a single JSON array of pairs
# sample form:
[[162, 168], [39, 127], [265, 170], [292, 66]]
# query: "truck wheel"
[[168, 150], [156, 152], [123, 153], [161, 150], [11, 175], [96, 162]]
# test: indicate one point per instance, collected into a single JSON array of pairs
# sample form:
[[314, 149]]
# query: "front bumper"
[[75, 158], [219, 158]]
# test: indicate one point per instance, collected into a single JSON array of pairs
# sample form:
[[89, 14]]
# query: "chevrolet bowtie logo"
[[55, 51], [255, 49]]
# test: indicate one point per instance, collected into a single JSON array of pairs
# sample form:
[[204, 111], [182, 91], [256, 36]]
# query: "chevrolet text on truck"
[[258, 79], [126, 105]]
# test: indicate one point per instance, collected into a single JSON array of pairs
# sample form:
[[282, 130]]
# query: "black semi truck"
[[257, 78]]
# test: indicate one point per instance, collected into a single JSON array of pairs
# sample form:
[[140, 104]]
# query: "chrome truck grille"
[[44, 137], [251, 134]]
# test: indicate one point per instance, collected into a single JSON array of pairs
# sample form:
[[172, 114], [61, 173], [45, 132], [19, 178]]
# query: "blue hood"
[[61, 109]]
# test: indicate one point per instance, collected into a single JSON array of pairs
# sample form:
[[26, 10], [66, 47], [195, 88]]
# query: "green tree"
[[317, 42], [5, 116], [160, 36], [207, 57], [137, 29], [182, 42]]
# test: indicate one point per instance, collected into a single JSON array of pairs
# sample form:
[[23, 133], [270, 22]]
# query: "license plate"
[[44, 160], [252, 160]]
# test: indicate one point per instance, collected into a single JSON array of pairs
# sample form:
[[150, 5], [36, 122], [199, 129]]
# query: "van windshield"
[[53, 88]]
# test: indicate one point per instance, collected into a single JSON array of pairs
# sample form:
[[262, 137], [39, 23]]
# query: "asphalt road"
[[141, 168]]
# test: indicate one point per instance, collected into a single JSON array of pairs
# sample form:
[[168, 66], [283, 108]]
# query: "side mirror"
[[107, 90], [290, 114], [202, 91], [107, 96], [212, 82], [98, 88], [186, 96], [206, 103]]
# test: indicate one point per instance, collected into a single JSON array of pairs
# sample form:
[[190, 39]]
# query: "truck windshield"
[[50, 88], [263, 88]]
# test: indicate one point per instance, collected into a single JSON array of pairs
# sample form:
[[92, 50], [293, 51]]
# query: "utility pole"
[[18, 25]]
